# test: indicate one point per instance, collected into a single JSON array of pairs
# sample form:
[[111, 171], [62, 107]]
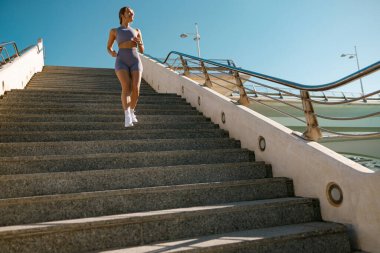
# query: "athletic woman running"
[[128, 66]]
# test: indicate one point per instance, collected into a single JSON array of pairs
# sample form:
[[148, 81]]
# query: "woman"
[[128, 66]]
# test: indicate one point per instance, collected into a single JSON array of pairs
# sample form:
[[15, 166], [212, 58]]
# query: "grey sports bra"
[[125, 34]]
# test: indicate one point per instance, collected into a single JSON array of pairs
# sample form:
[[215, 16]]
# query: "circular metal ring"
[[199, 100], [262, 143], [183, 90], [223, 118], [334, 194]]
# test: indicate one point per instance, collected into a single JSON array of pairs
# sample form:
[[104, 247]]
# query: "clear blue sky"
[[298, 40]]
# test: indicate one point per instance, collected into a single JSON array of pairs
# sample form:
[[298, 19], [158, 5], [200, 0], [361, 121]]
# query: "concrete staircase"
[[73, 179]]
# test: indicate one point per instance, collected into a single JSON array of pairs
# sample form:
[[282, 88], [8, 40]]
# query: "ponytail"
[[121, 12]]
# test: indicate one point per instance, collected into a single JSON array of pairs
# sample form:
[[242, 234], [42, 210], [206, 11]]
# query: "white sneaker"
[[134, 119], [128, 119]]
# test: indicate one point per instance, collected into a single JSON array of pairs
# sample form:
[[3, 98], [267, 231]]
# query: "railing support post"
[[186, 71], [16, 49], [312, 132], [207, 77], [243, 94]]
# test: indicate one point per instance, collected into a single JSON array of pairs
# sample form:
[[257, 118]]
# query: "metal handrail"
[[354, 76], [313, 131], [3, 46]]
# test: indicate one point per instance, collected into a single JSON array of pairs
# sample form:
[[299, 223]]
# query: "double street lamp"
[[355, 55], [197, 37]]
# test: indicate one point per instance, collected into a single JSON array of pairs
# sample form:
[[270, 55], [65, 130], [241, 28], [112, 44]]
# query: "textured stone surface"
[[88, 204], [85, 181], [112, 146], [43, 164], [162, 225], [308, 237], [99, 118], [87, 106], [133, 134], [84, 126]]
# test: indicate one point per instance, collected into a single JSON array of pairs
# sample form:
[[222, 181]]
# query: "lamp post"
[[197, 37], [355, 55]]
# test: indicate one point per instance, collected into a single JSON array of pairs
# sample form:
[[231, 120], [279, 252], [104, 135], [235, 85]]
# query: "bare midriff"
[[128, 44]]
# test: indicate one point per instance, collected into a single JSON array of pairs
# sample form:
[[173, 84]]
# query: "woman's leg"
[[125, 81], [136, 81]]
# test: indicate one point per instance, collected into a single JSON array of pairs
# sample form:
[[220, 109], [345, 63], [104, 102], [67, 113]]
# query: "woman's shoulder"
[[114, 30]]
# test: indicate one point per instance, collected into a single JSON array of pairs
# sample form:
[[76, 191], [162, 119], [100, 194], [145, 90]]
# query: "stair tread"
[[109, 171], [105, 155], [90, 222], [151, 189], [221, 241]]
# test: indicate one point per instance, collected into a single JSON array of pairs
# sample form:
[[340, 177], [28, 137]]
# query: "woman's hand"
[[137, 40], [113, 54]]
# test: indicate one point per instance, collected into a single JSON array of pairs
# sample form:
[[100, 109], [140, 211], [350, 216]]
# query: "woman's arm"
[[139, 41], [111, 39]]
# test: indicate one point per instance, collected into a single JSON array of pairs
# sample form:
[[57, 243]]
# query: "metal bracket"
[[243, 94], [207, 77], [313, 132], [186, 71]]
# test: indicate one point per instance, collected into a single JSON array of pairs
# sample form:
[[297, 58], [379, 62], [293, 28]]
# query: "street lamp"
[[355, 55], [197, 37]]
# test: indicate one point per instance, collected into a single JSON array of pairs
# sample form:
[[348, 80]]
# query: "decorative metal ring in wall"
[[199, 100], [334, 194], [183, 90], [223, 118], [262, 143], [3, 85]]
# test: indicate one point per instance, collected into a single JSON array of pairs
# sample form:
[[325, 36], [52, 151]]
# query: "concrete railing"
[[312, 166], [16, 74]]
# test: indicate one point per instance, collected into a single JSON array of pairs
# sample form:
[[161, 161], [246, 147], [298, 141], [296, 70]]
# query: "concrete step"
[[115, 102], [132, 134], [59, 75], [61, 163], [104, 99], [99, 81], [110, 202], [78, 70], [9, 106], [113, 146], [313, 237], [105, 118], [82, 235], [113, 88], [94, 111], [77, 85], [86, 126], [36, 92], [24, 185]]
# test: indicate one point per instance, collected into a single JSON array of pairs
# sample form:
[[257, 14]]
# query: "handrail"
[[322, 87], [3, 46], [313, 131]]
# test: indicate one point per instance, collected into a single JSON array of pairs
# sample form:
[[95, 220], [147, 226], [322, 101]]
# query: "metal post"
[[197, 38], [186, 70], [16, 49], [207, 77], [243, 95], [361, 83], [312, 132], [8, 57]]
